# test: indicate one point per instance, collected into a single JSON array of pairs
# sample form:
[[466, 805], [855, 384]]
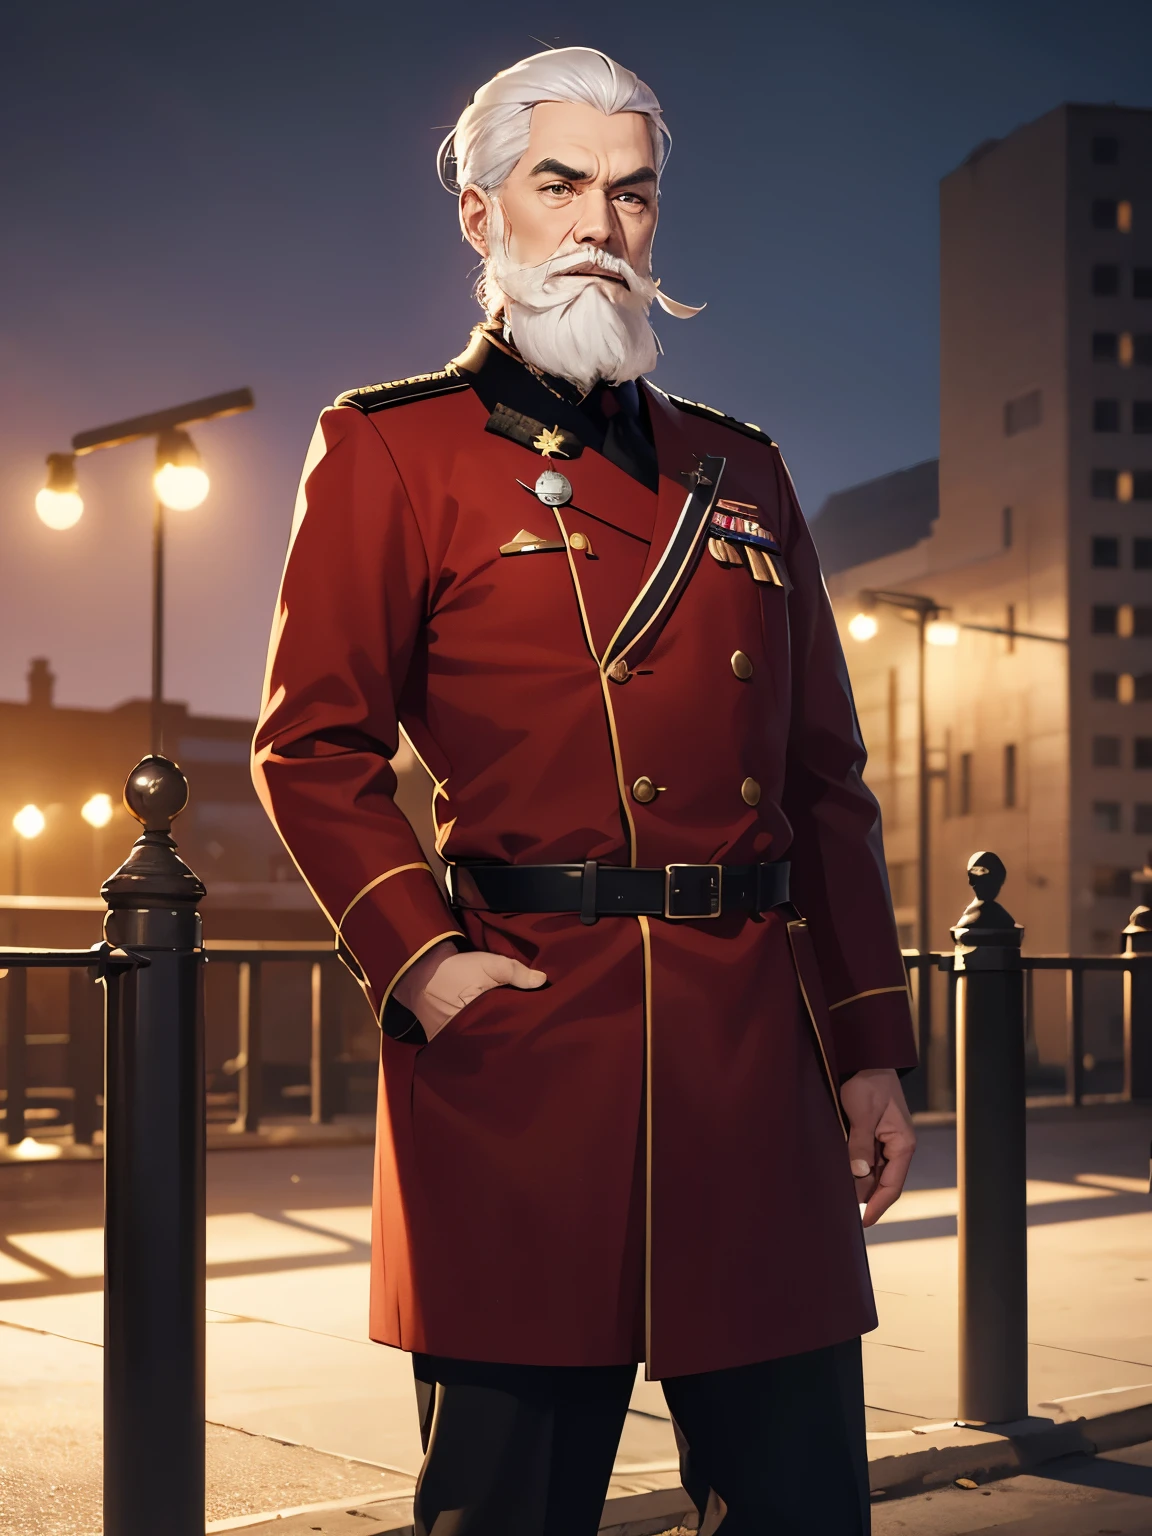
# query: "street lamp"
[[97, 811], [58, 504], [28, 822], [932, 628], [180, 484]]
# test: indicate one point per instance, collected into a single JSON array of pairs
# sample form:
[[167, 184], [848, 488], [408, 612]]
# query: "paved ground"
[[289, 1361], [1108, 1495]]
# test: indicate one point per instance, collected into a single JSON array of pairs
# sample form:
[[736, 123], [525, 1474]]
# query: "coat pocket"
[[812, 991]]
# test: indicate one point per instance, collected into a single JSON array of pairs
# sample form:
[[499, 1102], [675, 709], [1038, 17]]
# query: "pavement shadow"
[[1102, 1472]]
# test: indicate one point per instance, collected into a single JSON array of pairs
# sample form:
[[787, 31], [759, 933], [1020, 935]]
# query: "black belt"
[[594, 890]]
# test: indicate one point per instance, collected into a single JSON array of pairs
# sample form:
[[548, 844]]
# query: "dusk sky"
[[200, 197]]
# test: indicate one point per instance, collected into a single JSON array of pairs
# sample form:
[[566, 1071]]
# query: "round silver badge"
[[553, 489]]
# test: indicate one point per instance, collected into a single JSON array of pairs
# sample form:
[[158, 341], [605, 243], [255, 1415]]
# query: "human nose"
[[594, 225]]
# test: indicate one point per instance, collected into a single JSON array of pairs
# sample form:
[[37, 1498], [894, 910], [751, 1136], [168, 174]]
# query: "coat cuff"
[[873, 1029], [398, 917]]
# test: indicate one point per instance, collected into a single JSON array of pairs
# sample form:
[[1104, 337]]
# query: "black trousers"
[[774, 1449]]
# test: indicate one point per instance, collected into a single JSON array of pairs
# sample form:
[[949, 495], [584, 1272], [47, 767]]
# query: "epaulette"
[[710, 413], [378, 397]]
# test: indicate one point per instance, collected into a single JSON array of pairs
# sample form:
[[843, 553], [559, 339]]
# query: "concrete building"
[[1038, 749]]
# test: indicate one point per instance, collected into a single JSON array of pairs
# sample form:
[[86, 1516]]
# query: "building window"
[[1024, 412], [964, 785], [1125, 688], [1108, 880], [1106, 416], [1124, 485], [1104, 685], [1142, 622], [1139, 348], [1142, 415], [1142, 752], [1104, 484], [1104, 618], [1105, 751], [1142, 687], [1142, 282], [1106, 552], [1105, 149], [1106, 815], [1124, 216], [1142, 485], [1104, 211], [1006, 527], [1142, 554], [1105, 279], [1105, 346], [1010, 775], [1142, 819]]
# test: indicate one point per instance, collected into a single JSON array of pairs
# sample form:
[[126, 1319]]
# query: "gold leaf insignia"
[[550, 442]]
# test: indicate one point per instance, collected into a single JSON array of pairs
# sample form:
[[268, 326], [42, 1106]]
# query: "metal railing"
[[150, 968]]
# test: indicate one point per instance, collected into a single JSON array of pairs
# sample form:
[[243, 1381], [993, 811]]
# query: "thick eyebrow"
[[568, 173]]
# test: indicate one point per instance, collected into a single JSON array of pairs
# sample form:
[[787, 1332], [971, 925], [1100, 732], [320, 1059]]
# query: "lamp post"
[[180, 484], [934, 626], [931, 629]]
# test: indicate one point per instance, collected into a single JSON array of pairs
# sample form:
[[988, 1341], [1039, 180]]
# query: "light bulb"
[[941, 632], [97, 811], [180, 486], [29, 821], [59, 509], [862, 626]]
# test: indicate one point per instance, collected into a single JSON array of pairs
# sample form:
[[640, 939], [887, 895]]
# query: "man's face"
[[585, 179]]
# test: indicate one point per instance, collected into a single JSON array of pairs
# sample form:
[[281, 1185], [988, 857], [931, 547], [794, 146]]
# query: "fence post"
[[85, 1053], [250, 1049], [322, 1069], [991, 1154], [1138, 992], [16, 1055], [154, 1112]]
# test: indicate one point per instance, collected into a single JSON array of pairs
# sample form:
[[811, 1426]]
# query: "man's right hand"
[[443, 981]]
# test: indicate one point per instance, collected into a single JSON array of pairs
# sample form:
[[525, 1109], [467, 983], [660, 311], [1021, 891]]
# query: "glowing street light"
[[942, 632], [58, 504], [180, 482], [29, 822], [863, 626], [97, 811]]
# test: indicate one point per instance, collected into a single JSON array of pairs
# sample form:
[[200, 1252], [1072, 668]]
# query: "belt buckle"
[[710, 891]]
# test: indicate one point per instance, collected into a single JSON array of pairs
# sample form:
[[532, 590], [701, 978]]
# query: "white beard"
[[578, 328]]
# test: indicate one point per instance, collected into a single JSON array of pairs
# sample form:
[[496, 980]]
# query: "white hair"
[[492, 132]]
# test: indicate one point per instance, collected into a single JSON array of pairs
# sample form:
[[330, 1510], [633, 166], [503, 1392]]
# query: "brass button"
[[644, 790], [741, 665], [618, 671], [578, 541], [749, 792]]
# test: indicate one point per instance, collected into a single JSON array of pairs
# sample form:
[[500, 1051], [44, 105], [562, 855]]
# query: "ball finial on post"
[[156, 792]]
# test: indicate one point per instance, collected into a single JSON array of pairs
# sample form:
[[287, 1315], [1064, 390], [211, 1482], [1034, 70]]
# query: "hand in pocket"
[[443, 981]]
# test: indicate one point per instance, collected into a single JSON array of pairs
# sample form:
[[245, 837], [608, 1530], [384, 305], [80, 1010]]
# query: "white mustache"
[[596, 256]]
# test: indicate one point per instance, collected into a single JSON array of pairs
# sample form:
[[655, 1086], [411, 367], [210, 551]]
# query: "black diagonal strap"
[[664, 587]]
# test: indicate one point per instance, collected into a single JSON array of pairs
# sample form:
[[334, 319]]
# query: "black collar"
[[500, 378]]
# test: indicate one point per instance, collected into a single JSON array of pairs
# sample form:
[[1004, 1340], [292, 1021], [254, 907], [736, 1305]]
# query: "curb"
[[985, 1455], [918, 1460]]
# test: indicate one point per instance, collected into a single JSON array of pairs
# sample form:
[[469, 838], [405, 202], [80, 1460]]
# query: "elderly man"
[[640, 1068]]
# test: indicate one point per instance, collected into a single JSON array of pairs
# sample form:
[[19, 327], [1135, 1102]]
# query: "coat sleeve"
[[351, 607], [839, 878]]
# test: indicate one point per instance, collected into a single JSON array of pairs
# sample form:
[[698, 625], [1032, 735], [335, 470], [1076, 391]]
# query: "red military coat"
[[643, 1159]]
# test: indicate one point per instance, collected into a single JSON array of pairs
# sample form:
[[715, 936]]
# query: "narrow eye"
[[634, 198], [556, 187]]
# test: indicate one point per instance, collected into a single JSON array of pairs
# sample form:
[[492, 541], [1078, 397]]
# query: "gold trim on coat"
[[871, 992], [617, 755], [802, 923], [646, 953], [371, 886]]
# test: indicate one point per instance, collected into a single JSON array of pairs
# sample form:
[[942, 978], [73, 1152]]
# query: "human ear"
[[474, 210]]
